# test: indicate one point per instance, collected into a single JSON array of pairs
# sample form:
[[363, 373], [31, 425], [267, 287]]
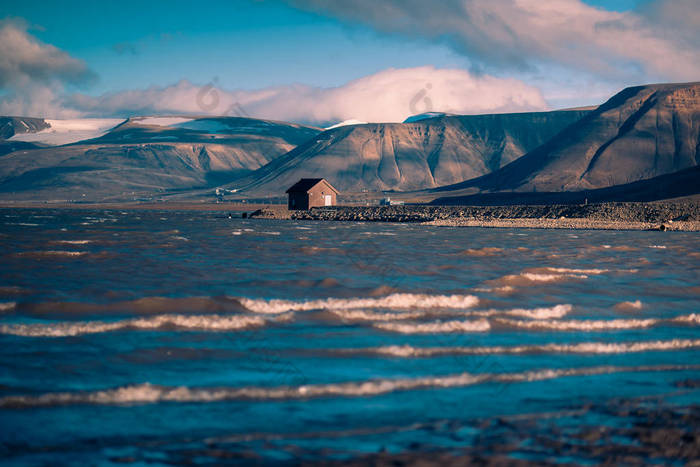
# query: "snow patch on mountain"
[[69, 131], [161, 121], [352, 121]]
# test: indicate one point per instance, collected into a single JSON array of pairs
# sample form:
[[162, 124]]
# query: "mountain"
[[641, 133], [141, 156], [410, 156], [12, 126]]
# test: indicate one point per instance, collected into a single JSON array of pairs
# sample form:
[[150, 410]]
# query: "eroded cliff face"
[[411, 156], [640, 133]]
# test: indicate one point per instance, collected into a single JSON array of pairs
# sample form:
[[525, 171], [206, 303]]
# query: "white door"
[[327, 199]]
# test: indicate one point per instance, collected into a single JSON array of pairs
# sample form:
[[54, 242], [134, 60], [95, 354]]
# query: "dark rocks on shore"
[[659, 213]]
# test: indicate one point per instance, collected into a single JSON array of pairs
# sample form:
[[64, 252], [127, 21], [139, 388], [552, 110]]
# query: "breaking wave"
[[579, 348], [183, 322], [72, 242], [693, 318], [50, 254], [554, 312], [480, 325], [580, 325], [151, 394], [393, 301], [557, 311]]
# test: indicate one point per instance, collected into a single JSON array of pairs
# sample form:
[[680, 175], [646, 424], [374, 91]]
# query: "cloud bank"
[[388, 96], [659, 40]]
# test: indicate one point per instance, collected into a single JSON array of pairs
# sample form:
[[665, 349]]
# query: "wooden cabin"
[[310, 193]]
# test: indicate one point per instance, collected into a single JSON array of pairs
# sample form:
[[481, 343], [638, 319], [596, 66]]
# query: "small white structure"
[[388, 202]]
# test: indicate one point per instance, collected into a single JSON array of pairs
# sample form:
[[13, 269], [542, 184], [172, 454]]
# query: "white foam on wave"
[[629, 306], [557, 311], [52, 253], [580, 325], [593, 272], [579, 348], [73, 242], [150, 394], [365, 315], [693, 318], [480, 325], [186, 322], [393, 301], [536, 277], [543, 275], [7, 306]]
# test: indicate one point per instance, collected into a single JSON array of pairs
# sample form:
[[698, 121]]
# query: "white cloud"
[[33, 73], [658, 41], [388, 96]]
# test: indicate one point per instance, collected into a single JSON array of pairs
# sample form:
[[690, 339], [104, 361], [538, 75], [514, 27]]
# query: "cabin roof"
[[306, 184]]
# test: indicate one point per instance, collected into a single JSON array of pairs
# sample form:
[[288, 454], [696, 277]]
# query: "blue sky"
[[245, 44], [256, 44]]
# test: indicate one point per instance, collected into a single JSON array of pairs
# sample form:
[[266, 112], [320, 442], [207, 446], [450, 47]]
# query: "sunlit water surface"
[[172, 337]]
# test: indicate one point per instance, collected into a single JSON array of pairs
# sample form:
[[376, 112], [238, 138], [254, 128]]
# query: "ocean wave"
[[480, 325], [50, 254], [542, 275], [141, 306], [629, 306], [592, 272], [481, 252], [393, 301], [557, 311], [693, 318], [365, 315], [184, 322], [7, 306], [151, 394], [579, 348], [598, 325], [72, 242], [580, 325]]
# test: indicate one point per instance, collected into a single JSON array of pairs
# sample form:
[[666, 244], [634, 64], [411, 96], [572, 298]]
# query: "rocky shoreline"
[[683, 216]]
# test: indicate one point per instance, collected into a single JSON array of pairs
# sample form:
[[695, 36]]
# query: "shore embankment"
[[608, 216]]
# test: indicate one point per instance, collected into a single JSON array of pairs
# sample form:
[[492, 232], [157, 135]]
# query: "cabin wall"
[[317, 196]]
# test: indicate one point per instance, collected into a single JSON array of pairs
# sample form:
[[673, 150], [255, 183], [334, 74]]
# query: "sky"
[[323, 61]]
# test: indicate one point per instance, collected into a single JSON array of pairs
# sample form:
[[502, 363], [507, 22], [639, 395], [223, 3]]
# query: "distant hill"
[[641, 133], [142, 156], [410, 156]]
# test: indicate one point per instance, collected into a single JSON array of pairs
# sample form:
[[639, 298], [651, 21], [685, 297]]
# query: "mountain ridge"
[[409, 156]]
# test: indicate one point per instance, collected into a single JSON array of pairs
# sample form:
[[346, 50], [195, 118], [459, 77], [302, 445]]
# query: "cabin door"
[[327, 200]]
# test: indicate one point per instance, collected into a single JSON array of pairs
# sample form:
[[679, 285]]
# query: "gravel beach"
[[681, 216]]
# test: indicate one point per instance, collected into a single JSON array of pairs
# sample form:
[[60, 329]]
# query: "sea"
[[165, 337]]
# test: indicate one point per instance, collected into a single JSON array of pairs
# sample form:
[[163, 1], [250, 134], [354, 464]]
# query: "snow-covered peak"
[[352, 121], [425, 116], [69, 131]]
